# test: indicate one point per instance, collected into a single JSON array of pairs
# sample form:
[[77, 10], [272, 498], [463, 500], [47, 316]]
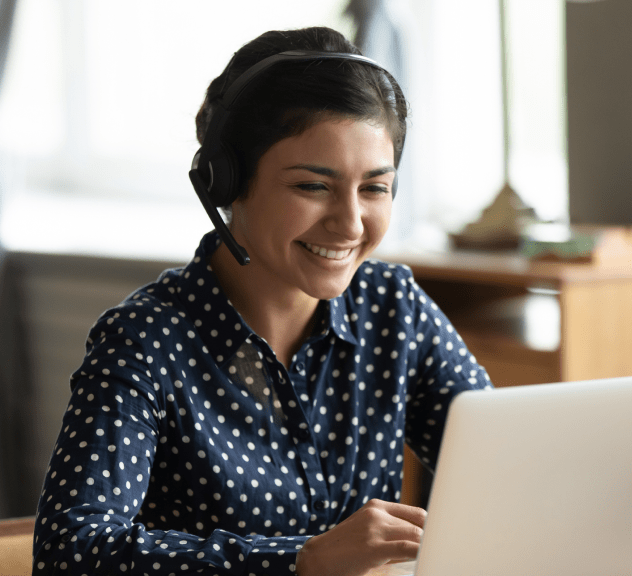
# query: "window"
[[99, 100]]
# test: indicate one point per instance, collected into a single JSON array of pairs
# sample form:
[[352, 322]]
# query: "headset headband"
[[238, 86]]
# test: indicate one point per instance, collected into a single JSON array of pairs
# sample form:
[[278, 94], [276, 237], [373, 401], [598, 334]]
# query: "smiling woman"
[[251, 419]]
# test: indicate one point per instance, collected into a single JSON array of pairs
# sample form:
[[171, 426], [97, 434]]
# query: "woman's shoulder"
[[168, 293], [128, 341], [148, 306], [387, 287], [379, 279]]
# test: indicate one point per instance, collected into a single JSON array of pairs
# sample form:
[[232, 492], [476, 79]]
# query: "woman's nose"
[[345, 217]]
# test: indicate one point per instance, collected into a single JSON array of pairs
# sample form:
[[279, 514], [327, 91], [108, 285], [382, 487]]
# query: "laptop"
[[534, 480]]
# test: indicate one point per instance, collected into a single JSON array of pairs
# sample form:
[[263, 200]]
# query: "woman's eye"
[[378, 189], [312, 186]]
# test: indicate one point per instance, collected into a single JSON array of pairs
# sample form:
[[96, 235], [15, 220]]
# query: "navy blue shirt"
[[188, 446]]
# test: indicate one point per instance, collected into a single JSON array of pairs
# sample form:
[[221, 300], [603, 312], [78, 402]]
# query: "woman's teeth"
[[331, 254]]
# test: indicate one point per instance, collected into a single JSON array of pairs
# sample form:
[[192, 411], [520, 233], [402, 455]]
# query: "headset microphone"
[[215, 172]]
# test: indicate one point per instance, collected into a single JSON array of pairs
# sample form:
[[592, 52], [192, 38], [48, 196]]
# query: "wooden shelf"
[[505, 268]]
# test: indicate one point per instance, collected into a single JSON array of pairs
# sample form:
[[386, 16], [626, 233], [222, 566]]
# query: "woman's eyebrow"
[[324, 171], [321, 170], [378, 172]]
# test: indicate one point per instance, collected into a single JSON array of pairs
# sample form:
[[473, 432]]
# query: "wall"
[[599, 83]]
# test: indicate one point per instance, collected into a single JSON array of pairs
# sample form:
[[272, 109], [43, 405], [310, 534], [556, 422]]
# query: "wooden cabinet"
[[530, 322]]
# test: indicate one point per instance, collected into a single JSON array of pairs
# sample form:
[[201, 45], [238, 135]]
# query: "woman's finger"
[[411, 514]]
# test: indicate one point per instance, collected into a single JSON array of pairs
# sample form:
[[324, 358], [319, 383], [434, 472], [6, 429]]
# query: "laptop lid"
[[534, 480]]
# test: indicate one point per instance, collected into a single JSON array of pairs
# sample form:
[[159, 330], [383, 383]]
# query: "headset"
[[215, 171]]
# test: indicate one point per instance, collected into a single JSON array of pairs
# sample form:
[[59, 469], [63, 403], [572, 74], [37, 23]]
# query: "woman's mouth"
[[325, 253]]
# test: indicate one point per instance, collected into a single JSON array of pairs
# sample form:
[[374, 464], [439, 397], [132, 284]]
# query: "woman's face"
[[318, 205]]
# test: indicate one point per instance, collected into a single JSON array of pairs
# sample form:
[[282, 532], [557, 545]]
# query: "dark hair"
[[291, 97]]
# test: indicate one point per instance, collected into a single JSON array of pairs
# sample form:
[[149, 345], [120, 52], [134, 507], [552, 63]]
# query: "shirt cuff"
[[274, 556]]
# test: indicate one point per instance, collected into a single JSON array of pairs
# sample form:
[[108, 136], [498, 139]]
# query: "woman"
[[251, 419]]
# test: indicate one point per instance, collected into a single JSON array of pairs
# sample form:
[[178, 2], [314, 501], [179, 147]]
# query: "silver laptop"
[[534, 481]]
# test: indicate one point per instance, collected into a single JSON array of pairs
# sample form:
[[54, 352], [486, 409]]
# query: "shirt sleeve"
[[101, 470], [441, 366]]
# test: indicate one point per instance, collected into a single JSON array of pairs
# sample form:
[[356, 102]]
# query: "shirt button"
[[300, 367], [66, 538], [319, 505], [303, 434]]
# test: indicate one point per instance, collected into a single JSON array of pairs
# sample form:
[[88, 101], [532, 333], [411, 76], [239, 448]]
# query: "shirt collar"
[[338, 319]]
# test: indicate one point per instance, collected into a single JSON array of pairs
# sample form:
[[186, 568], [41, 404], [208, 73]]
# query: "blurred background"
[[97, 107]]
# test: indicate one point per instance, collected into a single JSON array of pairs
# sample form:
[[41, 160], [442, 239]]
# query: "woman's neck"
[[283, 315]]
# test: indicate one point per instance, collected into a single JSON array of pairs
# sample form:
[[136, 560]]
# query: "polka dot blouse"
[[188, 447]]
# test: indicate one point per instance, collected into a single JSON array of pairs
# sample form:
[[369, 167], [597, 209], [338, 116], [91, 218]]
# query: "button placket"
[[302, 434]]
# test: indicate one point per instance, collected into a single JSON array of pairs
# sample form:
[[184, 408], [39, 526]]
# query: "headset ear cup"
[[225, 169]]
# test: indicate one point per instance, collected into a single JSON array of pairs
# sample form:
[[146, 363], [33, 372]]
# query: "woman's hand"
[[377, 534]]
